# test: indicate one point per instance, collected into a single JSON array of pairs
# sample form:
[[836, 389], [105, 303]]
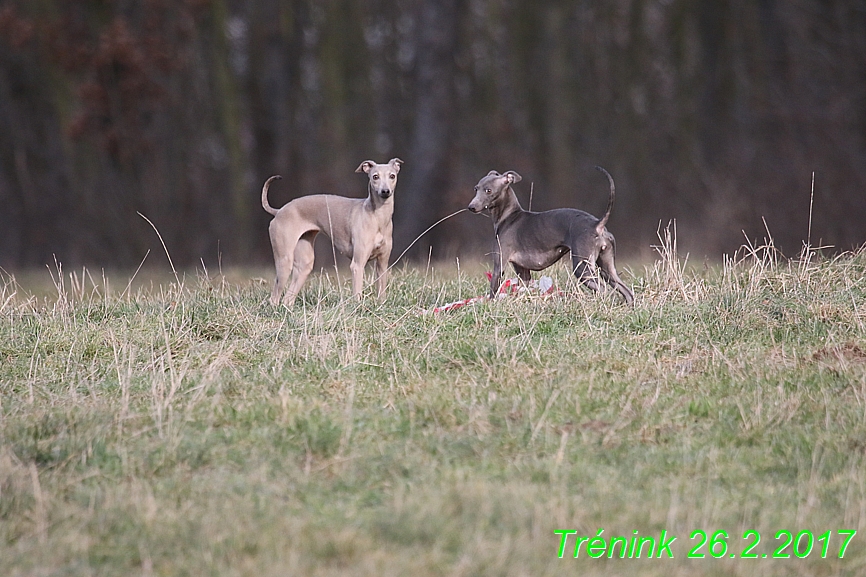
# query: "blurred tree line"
[[711, 112]]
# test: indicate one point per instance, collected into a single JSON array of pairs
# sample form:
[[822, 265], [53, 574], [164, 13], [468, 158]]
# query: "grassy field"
[[190, 428]]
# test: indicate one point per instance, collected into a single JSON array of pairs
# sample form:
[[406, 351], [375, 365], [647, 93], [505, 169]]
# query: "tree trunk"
[[427, 166]]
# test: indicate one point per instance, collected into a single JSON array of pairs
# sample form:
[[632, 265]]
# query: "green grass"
[[190, 428]]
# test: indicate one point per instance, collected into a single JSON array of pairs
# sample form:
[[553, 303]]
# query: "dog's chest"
[[378, 244]]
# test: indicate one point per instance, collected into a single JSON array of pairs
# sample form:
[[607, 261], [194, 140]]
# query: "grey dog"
[[535, 240], [360, 228]]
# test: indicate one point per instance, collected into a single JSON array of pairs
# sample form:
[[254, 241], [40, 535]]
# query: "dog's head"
[[383, 177], [491, 189]]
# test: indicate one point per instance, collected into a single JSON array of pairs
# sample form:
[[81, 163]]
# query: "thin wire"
[[441, 220], [165, 248], [807, 248]]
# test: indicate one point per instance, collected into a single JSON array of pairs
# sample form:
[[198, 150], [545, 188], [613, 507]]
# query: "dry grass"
[[188, 428]]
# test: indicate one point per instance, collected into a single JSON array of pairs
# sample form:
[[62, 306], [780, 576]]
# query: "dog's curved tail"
[[266, 205], [601, 223]]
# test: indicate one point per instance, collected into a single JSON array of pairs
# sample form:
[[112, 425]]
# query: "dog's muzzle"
[[385, 193]]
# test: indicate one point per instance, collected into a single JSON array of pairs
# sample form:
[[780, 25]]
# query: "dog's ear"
[[395, 162], [365, 166], [492, 173], [512, 177]]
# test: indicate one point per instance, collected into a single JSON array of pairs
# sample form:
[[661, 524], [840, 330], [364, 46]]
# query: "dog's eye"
[[392, 176], [375, 177], [488, 191]]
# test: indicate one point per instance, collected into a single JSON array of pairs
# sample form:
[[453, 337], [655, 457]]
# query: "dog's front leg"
[[524, 273], [496, 278], [382, 272], [357, 267]]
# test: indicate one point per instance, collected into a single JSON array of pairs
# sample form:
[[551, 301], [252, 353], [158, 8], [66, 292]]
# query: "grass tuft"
[[188, 427]]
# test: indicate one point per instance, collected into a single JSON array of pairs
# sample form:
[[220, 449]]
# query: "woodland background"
[[711, 112]]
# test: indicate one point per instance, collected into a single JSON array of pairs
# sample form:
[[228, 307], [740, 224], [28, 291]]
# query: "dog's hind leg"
[[607, 271], [283, 263], [584, 272], [304, 259]]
